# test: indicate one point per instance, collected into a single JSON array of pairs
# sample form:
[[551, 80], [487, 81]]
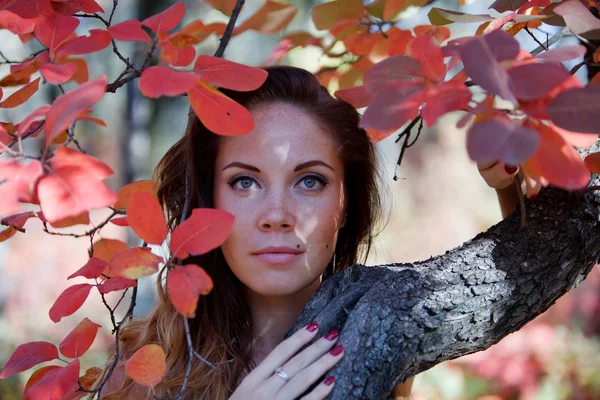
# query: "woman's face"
[[283, 182]]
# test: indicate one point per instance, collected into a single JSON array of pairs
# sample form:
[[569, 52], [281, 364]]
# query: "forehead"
[[282, 132]]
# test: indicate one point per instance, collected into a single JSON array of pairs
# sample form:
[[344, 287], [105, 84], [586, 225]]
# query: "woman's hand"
[[302, 369], [497, 174]]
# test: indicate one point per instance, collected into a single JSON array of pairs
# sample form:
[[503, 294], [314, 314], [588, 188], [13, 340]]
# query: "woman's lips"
[[277, 258]]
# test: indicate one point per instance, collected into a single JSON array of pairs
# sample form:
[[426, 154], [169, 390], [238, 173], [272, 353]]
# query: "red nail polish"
[[332, 335], [330, 379], [312, 327], [511, 169], [337, 350]]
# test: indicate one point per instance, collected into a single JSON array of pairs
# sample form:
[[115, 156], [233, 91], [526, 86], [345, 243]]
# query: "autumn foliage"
[[524, 108]]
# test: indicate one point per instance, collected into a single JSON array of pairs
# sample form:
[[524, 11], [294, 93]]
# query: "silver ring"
[[279, 372]]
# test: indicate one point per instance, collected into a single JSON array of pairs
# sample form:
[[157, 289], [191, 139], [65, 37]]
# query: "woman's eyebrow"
[[311, 163], [241, 165]]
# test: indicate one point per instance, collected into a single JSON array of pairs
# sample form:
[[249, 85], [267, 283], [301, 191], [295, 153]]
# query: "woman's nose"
[[278, 214]]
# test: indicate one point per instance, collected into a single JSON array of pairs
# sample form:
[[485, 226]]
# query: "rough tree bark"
[[401, 319]]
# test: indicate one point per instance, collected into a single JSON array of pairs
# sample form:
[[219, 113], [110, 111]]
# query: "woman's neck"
[[273, 316]]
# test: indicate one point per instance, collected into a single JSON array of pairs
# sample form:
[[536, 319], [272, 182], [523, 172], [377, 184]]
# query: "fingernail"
[[330, 379], [511, 169], [332, 335], [337, 350], [533, 196], [312, 327]]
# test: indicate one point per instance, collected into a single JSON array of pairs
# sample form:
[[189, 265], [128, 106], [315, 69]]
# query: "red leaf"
[[164, 81], [219, 113], [166, 20], [557, 161], [205, 230], [146, 218], [97, 40], [147, 366], [79, 340], [17, 221], [439, 33], [67, 107], [18, 184], [428, 53], [177, 57], [38, 114], [134, 263], [122, 221], [15, 23], [577, 139], [53, 28], [90, 6], [357, 96], [66, 157], [500, 138], [184, 285], [29, 355], [228, 74], [35, 378], [30, 8], [272, 17], [392, 107], [577, 110], [92, 269], [21, 96], [392, 71], [105, 249], [57, 384], [57, 74], [69, 191], [444, 98], [535, 80], [398, 40], [116, 283], [130, 31], [126, 193], [69, 301], [592, 161], [225, 6]]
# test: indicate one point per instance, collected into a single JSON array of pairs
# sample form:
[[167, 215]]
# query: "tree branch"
[[398, 320]]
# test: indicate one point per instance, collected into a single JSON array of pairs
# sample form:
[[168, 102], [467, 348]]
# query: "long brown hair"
[[221, 329]]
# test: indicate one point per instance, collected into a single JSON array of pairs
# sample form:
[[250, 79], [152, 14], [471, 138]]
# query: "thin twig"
[[553, 39], [406, 134], [7, 61], [535, 39], [229, 28]]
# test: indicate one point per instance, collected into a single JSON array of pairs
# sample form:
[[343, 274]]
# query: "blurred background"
[[438, 202]]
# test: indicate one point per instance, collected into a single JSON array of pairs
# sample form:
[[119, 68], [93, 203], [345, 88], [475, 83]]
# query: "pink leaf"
[[30, 8], [18, 184], [228, 74], [444, 98], [67, 107], [15, 23], [401, 69], [164, 81], [562, 53], [69, 301], [130, 31], [577, 139], [66, 157], [166, 20], [579, 19], [392, 107], [357, 96], [57, 74], [535, 80], [577, 110], [500, 138], [38, 114], [57, 384], [29, 355], [425, 49]]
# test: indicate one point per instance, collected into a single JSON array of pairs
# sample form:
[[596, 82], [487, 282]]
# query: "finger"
[[321, 391], [303, 359], [283, 352], [305, 378], [499, 176], [482, 166]]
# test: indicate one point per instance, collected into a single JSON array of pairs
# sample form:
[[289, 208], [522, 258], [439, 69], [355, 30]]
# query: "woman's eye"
[[313, 182], [242, 182]]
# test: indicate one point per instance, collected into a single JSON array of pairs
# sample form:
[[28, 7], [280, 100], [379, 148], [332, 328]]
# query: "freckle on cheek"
[[297, 246]]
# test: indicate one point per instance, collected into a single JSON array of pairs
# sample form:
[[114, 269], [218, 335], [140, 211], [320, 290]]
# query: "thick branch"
[[401, 319]]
